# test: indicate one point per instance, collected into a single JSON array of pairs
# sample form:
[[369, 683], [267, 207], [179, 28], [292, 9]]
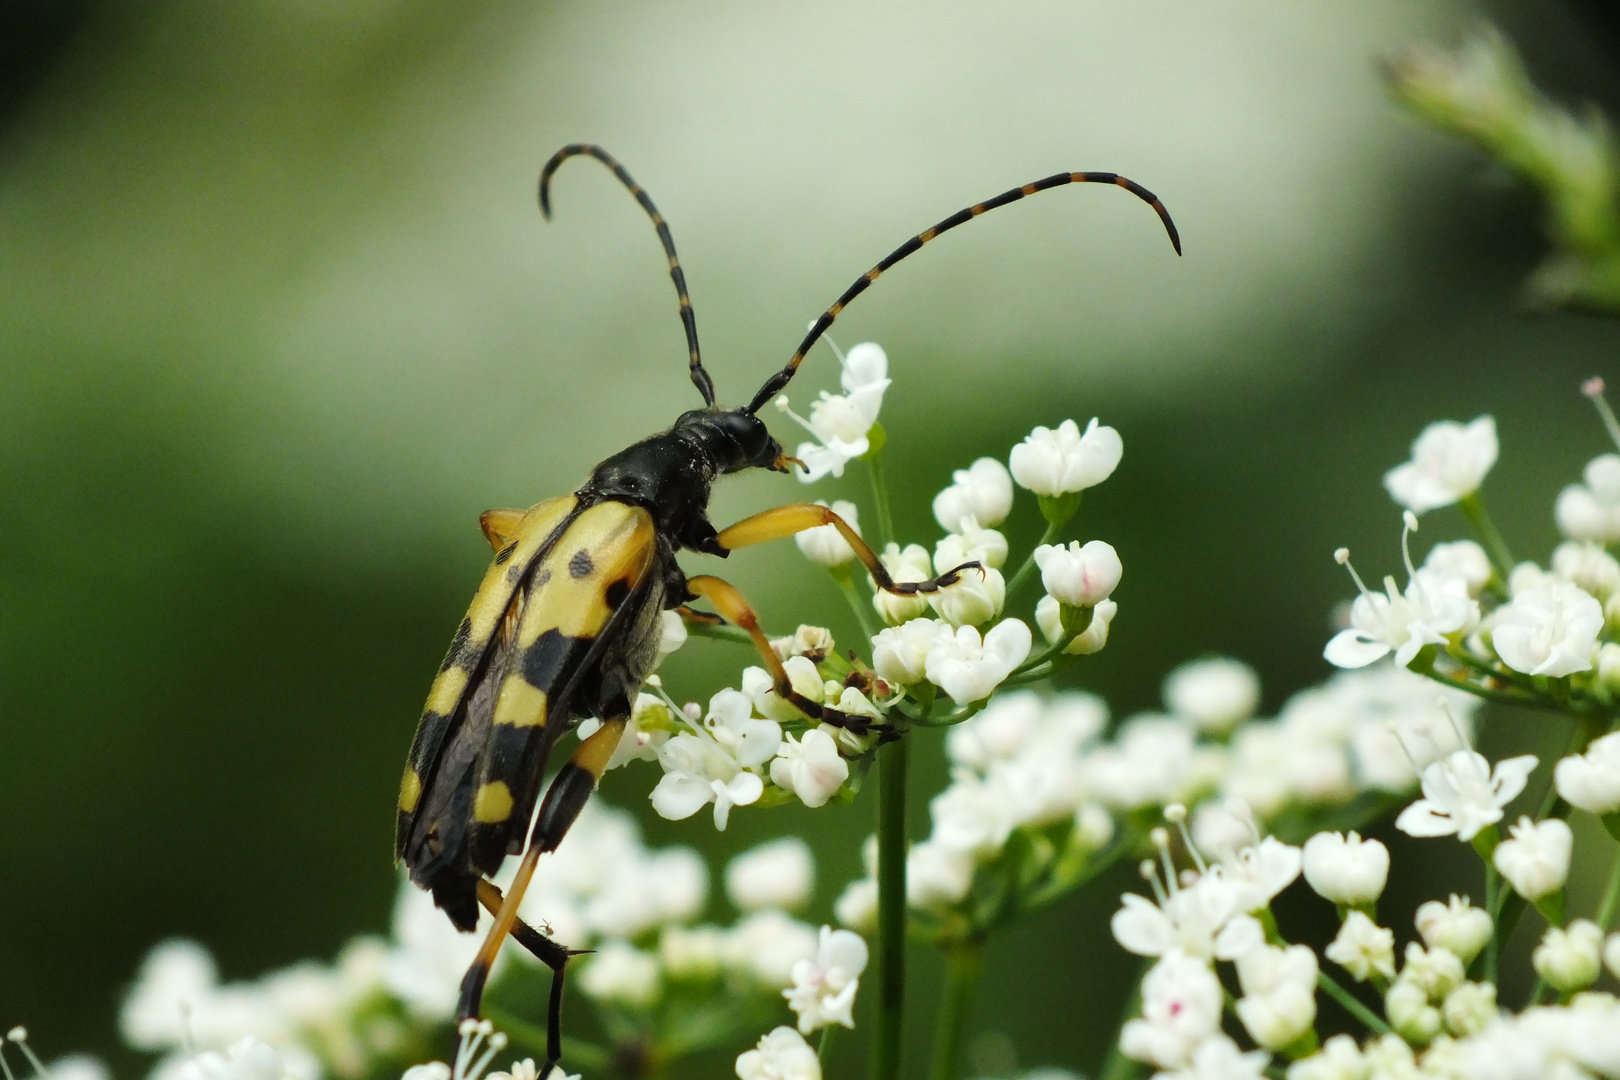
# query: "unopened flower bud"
[[1363, 948], [1608, 658], [1216, 694], [1435, 970], [909, 564], [982, 491], [1465, 559], [1079, 576], [1568, 958], [1410, 1014], [1536, 860], [1611, 954], [1457, 927], [975, 599], [1589, 566], [1049, 616], [1469, 1008], [1093, 827], [1591, 780], [824, 544], [900, 653], [1057, 462], [1346, 869]]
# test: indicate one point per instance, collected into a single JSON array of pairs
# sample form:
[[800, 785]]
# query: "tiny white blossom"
[[969, 668], [766, 945], [1058, 462], [1363, 948], [937, 874], [1591, 512], [781, 1055], [1449, 461], [1346, 869], [730, 721], [1463, 558], [1469, 1008], [248, 1058], [1410, 1013], [900, 653], [1218, 1058], [982, 491], [841, 421], [810, 767], [1186, 921], [1339, 1059], [1181, 1007], [1435, 971], [856, 906], [1215, 693], [1535, 860], [779, 874], [1550, 630], [1080, 576], [971, 543], [976, 598], [1462, 794], [1048, 615], [620, 972], [1591, 780], [1457, 927], [760, 688], [1262, 870], [824, 544], [1279, 993], [1569, 958], [1589, 566], [697, 771], [824, 988], [1434, 606], [911, 563]]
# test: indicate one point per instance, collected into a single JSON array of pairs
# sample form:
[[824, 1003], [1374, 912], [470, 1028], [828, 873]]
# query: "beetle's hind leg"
[[734, 608], [795, 518], [564, 799]]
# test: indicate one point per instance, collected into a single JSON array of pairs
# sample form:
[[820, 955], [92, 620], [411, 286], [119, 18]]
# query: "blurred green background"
[[280, 319]]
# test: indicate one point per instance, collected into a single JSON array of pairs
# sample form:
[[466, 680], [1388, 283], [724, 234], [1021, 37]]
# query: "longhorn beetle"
[[566, 624]]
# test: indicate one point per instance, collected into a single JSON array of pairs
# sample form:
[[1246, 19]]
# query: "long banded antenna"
[[776, 382], [700, 377]]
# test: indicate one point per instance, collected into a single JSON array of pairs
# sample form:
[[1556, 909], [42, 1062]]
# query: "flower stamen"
[[1342, 557], [1409, 523], [19, 1035]]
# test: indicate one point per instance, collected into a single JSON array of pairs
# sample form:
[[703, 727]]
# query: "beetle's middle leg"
[[549, 953], [564, 799], [785, 521]]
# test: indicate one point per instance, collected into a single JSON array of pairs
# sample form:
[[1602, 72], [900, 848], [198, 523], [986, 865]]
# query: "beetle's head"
[[734, 439]]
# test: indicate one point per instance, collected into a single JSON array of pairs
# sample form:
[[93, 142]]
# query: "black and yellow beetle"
[[566, 625]]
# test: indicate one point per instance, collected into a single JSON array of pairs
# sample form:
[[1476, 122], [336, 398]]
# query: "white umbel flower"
[[1569, 958], [1463, 558], [1456, 926], [1591, 780], [982, 491], [1550, 630], [900, 653], [823, 990], [1591, 511], [1058, 462], [824, 544], [1279, 993], [781, 1055], [1181, 1007], [910, 563], [620, 972], [1186, 921], [1449, 461], [975, 599], [810, 767], [969, 667], [1346, 869], [1462, 794], [937, 874], [841, 421], [1216, 693], [1535, 861], [1079, 576], [1049, 617], [1434, 606], [1363, 948], [248, 1058], [1589, 566], [778, 874], [971, 543]]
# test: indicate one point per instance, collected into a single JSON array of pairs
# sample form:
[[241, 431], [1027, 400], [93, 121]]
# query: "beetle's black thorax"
[[671, 473]]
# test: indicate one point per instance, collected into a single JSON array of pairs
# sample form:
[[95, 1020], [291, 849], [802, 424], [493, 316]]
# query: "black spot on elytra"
[[505, 553], [457, 643], [616, 592], [580, 565], [542, 577]]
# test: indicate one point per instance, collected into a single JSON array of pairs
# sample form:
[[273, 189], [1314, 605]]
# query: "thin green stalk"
[[891, 930], [824, 1048], [1493, 944], [880, 499], [1473, 508], [1116, 1066], [860, 603], [1371, 1020], [1611, 896], [963, 962], [1500, 696], [1048, 537]]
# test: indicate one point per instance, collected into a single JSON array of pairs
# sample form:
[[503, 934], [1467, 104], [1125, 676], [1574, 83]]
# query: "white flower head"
[[971, 543], [823, 990], [982, 491], [248, 1058], [1457, 926], [1591, 511], [1449, 461], [779, 874], [1569, 958], [969, 667], [1591, 780], [1535, 860], [697, 772], [781, 1055], [937, 874], [900, 653], [766, 945], [1215, 693], [1436, 606], [1346, 869], [1465, 559], [730, 721], [1279, 993], [1186, 920], [810, 767], [1462, 794], [975, 599], [1181, 1007], [910, 563], [840, 422], [1589, 566], [1049, 617], [1550, 630], [824, 544], [1058, 462], [1079, 576], [1363, 948], [618, 971]]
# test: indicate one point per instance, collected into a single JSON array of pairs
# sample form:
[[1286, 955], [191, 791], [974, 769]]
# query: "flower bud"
[[1057, 462], [1465, 559], [1457, 927], [1346, 869], [621, 973], [1591, 780], [1363, 948], [900, 653], [824, 544], [1568, 958], [1049, 617], [1536, 860], [856, 906], [1079, 576], [1435, 971], [1589, 566], [910, 564], [1216, 694], [1611, 954], [936, 875], [986, 547], [1469, 1008], [757, 684], [1093, 827], [975, 599], [1279, 993], [1410, 1014], [780, 874], [982, 491]]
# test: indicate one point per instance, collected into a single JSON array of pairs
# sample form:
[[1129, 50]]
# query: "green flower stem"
[[1053, 529], [1501, 697], [824, 1047], [1473, 508], [891, 931], [1485, 842], [963, 962], [1611, 896], [1116, 1066], [719, 632], [880, 493], [859, 602]]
